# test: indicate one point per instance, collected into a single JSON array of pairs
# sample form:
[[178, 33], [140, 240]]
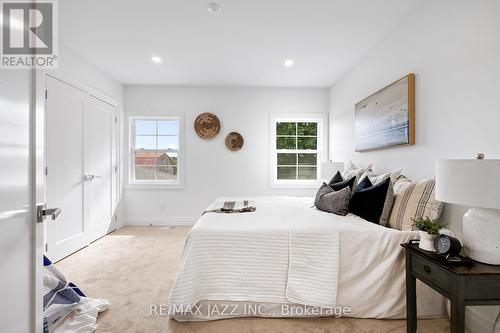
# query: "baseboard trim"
[[161, 221], [477, 322]]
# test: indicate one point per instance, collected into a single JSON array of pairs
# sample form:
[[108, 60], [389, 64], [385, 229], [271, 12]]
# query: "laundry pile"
[[66, 309]]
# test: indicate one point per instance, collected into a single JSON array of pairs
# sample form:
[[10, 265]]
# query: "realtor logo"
[[29, 34]]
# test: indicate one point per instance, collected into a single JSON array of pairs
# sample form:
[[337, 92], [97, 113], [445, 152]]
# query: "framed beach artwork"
[[386, 119]]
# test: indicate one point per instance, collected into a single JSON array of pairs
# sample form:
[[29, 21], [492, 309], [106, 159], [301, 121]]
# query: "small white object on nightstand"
[[474, 183]]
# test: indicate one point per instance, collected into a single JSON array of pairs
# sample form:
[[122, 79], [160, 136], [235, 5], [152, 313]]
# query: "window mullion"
[[286, 151], [307, 151]]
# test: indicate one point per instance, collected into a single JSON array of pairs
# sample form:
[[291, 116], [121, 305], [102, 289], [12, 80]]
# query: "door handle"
[[42, 213]]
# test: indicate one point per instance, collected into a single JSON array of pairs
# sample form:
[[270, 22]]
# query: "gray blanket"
[[230, 207]]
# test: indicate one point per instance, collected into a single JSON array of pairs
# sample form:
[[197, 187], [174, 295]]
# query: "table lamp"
[[329, 169], [476, 184]]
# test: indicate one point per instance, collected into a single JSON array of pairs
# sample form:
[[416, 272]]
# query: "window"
[[296, 150], [156, 150]]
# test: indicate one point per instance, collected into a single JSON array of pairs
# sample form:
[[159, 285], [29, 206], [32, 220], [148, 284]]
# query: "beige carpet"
[[135, 267]]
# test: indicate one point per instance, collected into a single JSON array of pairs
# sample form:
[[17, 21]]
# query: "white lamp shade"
[[472, 183], [329, 169]]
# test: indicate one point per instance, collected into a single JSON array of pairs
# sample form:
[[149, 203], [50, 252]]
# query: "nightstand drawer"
[[431, 273]]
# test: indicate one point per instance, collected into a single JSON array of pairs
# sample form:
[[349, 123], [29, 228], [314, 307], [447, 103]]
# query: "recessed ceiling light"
[[288, 63], [214, 7], [156, 59]]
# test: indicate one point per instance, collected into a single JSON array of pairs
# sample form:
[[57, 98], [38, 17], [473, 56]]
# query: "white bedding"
[[287, 252]]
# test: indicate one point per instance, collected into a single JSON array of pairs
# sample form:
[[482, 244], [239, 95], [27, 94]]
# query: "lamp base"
[[482, 235]]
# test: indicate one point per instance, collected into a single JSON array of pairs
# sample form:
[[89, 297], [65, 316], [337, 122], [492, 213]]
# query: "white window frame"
[[155, 184], [321, 149]]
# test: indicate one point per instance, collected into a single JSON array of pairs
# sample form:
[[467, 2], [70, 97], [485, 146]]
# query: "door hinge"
[[46, 247], [116, 169], [46, 171], [116, 120], [46, 94]]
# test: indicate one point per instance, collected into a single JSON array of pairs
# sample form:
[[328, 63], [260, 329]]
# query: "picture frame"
[[386, 119]]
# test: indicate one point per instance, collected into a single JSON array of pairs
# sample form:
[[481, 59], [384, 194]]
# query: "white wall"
[[77, 68], [211, 169], [453, 47]]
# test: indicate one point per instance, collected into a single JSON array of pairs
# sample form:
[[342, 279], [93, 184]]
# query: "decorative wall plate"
[[234, 141], [207, 125]]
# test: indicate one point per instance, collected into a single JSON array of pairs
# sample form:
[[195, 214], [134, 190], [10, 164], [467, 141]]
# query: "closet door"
[[99, 124], [64, 161]]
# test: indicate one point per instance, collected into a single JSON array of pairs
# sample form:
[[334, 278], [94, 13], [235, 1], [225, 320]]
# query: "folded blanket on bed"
[[228, 207], [313, 267]]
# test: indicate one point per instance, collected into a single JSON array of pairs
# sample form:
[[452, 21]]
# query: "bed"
[[289, 259]]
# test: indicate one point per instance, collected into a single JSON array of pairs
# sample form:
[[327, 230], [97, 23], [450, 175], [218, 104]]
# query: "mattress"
[[289, 255]]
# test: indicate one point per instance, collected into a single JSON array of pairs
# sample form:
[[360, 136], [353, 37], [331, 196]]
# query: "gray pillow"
[[331, 201]]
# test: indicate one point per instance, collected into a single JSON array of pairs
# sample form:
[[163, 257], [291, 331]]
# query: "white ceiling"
[[244, 45]]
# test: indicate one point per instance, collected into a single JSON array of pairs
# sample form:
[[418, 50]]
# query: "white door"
[[65, 168], [99, 123], [80, 163], [20, 258]]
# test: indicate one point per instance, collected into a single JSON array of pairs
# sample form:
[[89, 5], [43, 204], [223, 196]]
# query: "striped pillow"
[[413, 200]]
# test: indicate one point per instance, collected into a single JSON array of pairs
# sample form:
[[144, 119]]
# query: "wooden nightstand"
[[478, 284]]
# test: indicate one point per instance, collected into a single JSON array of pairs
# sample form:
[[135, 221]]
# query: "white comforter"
[[288, 252]]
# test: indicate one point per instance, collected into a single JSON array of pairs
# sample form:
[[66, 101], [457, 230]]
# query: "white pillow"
[[352, 170], [350, 166], [376, 179]]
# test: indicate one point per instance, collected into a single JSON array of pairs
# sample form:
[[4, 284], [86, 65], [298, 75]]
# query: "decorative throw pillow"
[[364, 184], [352, 170], [413, 200], [350, 166], [375, 179], [331, 201], [373, 202], [400, 184], [336, 179], [337, 183]]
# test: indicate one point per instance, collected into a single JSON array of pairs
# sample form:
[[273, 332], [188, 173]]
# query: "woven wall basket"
[[234, 141], [207, 125]]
